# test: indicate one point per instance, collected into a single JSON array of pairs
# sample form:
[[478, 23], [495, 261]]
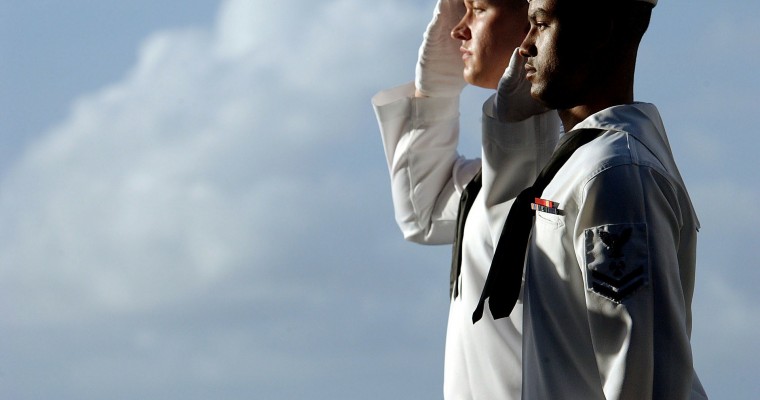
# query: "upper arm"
[[628, 241]]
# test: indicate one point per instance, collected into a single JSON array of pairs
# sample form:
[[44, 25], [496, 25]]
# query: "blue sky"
[[194, 202]]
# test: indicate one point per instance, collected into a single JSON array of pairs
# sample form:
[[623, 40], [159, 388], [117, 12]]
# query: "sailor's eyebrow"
[[539, 13]]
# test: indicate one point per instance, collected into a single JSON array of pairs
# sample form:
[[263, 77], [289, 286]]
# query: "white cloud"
[[197, 163], [203, 222], [207, 179]]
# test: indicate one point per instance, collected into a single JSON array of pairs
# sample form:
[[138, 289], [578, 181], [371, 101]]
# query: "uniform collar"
[[635, 119]]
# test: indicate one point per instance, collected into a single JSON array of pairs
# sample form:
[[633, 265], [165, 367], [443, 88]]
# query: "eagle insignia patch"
[[617, 260]]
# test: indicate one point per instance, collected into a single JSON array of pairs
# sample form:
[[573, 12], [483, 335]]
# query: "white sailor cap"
[[652, 2]]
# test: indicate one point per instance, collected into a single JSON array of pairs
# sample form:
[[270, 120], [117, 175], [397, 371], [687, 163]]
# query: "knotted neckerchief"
[[504, 280]]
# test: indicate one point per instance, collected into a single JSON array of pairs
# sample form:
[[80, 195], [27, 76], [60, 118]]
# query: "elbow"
[[434, 234]]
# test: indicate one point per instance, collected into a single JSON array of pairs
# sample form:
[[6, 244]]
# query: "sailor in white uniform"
[[420, 129], [609, 268]]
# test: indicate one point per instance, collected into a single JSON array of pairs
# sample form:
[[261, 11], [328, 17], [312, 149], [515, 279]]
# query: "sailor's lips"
[[466, 54], [530, 71]]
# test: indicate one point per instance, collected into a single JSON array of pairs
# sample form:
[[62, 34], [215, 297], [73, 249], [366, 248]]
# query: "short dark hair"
[[631, 18], [628, 19]]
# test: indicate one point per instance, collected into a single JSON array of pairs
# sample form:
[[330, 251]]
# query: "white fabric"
[[578, 343], [513, 101], [439, 63], [420, 136]]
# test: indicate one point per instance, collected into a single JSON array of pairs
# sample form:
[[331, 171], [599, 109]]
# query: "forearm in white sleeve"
[[420, 137], [513, 155], [515, 152]]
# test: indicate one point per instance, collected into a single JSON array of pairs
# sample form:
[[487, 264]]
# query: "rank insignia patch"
[[617, 260]]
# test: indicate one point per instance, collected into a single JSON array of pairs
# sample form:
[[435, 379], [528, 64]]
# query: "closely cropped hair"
[[629, 19]]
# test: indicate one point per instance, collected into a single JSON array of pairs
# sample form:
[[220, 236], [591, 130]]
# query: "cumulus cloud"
[[198, 161], [204, 223]]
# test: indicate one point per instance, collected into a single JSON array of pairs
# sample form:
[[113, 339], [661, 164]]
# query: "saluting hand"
[[439, 66], [513, 100]]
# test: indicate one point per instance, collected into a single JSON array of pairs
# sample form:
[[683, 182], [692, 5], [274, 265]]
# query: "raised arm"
[[419, 124]]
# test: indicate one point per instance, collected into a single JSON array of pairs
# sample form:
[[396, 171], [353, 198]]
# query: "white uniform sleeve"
[[635, 239], [515, 152], [420, 137]]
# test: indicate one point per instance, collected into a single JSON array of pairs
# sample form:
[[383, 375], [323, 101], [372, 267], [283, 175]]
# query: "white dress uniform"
[[420, 136], [609, 275]]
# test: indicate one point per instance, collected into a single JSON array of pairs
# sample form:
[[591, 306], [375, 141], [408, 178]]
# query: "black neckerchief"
[[504, 279]]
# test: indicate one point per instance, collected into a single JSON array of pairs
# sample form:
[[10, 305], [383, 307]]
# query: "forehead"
[[544, 5], [498, 3]]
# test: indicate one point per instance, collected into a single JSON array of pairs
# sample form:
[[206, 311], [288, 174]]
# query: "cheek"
[[495, 50], [546, 54]]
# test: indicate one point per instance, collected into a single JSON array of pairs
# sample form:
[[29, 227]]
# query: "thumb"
[[516, 66], [513, 75]]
